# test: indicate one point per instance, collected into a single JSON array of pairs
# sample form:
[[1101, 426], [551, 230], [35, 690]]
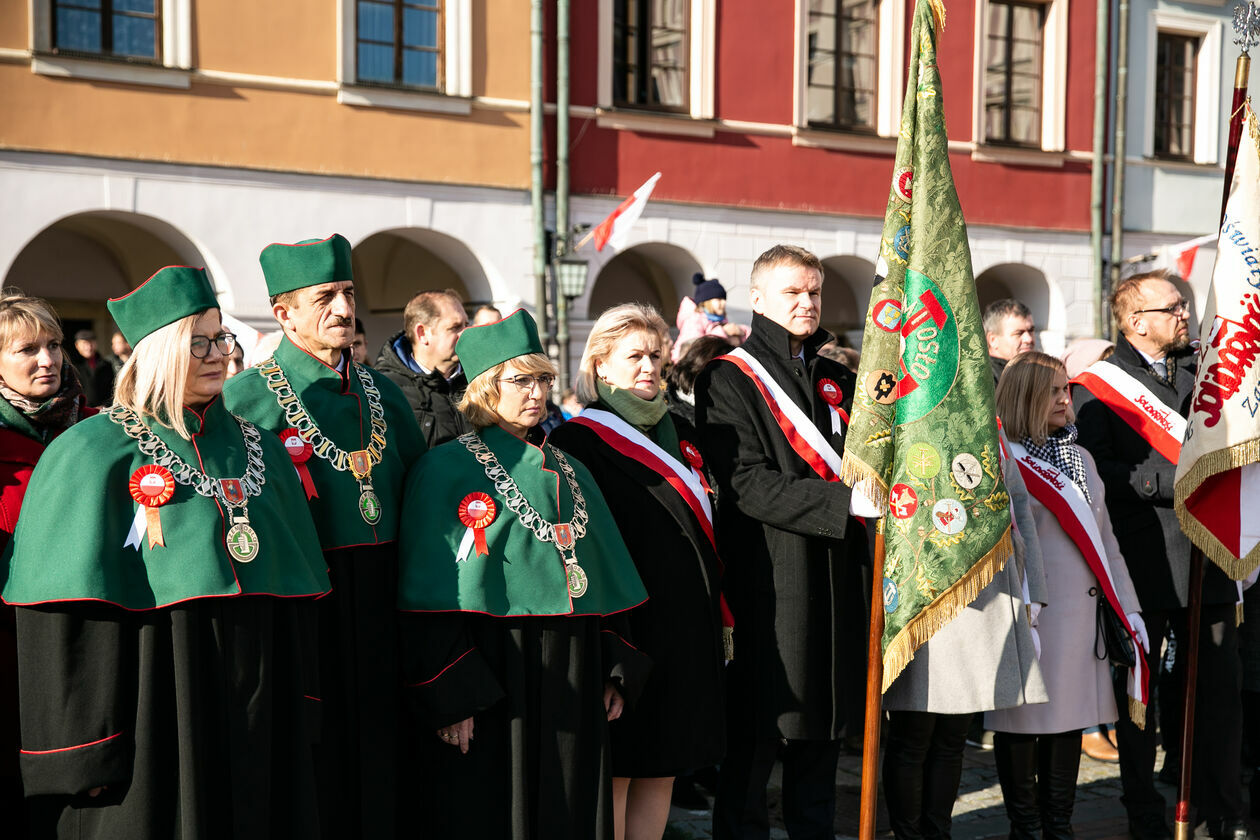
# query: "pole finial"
[[1247, 25]]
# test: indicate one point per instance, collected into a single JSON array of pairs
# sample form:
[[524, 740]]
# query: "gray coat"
[[984, 659], [1079, 683]]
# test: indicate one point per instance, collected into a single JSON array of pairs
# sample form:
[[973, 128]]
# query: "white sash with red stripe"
[[632, 443], [802, 435], [1148, 415], [1050, 486]]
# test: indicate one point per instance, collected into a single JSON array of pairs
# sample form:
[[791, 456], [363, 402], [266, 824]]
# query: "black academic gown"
[[200, 719], [792, 559], [679, 722]]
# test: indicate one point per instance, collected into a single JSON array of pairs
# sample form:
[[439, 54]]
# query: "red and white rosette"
[[833, 396], [300, 451], [476, 512], [151, 486], [695, 460]]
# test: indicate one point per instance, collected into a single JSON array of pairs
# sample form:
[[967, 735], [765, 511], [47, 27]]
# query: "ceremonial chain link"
[[506, 487], [150, 444], [296, 416]]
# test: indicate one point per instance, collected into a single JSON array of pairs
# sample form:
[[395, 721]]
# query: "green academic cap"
[[173, 293], [481, 348], [310, 262]]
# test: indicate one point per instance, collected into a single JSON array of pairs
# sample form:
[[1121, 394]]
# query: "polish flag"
[[616, 228], [1180, 257]]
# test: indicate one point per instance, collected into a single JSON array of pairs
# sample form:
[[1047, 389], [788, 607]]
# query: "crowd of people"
[[419, 598]]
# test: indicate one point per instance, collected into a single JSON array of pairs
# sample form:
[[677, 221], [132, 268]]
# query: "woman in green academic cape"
[[164, 569], [514, 585]]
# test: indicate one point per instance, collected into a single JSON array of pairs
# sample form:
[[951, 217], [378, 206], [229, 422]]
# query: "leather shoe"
[[1097, 746]]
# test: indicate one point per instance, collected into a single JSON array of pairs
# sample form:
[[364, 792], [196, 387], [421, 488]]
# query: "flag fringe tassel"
[[1137, 712], [1209, 464], [944, 609], [854, 471]]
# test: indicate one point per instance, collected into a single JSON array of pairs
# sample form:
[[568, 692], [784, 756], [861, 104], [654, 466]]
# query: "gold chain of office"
[[295, 414]]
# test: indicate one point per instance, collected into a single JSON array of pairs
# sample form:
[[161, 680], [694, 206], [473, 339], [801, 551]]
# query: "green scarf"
[[648, 416]]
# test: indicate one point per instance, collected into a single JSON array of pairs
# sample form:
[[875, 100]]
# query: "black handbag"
[[1117, 644]]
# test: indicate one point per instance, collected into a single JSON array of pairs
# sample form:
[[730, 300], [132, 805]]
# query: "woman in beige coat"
[[1038, 747]]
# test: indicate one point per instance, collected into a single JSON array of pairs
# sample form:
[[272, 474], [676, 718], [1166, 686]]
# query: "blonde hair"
[[613, 325], [22, 315], [480, 403], [153, 380], [1025, 393]]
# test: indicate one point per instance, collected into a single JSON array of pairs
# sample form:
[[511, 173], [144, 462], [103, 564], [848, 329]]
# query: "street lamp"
[[569, 271]]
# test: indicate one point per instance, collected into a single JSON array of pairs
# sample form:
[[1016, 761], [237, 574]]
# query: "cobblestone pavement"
[[978, 812]]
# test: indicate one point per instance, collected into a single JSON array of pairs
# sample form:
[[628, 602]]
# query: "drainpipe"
[[536, 163], [1118, 146], [1098, 176], [562, 178]]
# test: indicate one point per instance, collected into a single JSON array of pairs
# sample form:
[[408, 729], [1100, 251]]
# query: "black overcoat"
[[791, 558], [678, 723], [1139, 484]]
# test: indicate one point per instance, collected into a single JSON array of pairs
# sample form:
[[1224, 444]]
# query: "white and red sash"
[[802, 435], [632, 443], [1148, 415], [1052, 487], [688, 482]]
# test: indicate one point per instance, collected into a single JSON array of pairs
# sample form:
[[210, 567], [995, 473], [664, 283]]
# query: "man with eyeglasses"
[[1130, 415], [352, 438]]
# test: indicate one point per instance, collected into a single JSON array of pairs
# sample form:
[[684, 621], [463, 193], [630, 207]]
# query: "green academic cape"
[[336, 403], [181, 682], [497, 637]]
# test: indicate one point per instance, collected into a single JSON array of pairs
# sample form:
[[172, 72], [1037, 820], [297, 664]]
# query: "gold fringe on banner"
[[938, 14], [1137, 710], [944, 609], [853, 471], [1209, 464]]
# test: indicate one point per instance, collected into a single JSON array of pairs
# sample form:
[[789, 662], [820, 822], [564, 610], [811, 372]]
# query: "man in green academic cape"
[[352, 437]]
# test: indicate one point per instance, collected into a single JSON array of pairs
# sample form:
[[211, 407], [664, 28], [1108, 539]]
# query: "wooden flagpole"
[[1246, 29], [874, 692]]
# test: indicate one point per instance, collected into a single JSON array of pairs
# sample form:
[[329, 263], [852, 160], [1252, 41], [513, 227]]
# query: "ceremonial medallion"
[[361, 464], [232, 491], [242, 540], [564, 537], [577, 580], [369, 505]]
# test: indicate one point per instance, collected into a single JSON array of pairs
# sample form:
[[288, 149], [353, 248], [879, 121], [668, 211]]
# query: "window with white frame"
[[1183, 87], [843, 59], [657, 55], [1021, 73], [850, 68], [69, 37], [416, 47]]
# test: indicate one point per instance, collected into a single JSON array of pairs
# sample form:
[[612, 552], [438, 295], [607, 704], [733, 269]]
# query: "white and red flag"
[[1218, 478], [614, 230]]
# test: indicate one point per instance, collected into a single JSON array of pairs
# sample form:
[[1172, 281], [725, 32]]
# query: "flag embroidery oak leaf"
[[923, 437], [1217, 468]]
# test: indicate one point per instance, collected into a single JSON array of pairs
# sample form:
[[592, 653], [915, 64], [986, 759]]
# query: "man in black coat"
[[1008, 331], [421, 361], [1153, 349], [791, 558], [96, 374]]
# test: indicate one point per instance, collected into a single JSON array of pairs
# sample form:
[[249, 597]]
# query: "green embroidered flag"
[[923, 437]]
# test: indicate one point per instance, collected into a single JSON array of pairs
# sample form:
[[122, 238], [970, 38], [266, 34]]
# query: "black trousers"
[[922, 769], [809, 787], [1216, 787], [1038, 778]]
